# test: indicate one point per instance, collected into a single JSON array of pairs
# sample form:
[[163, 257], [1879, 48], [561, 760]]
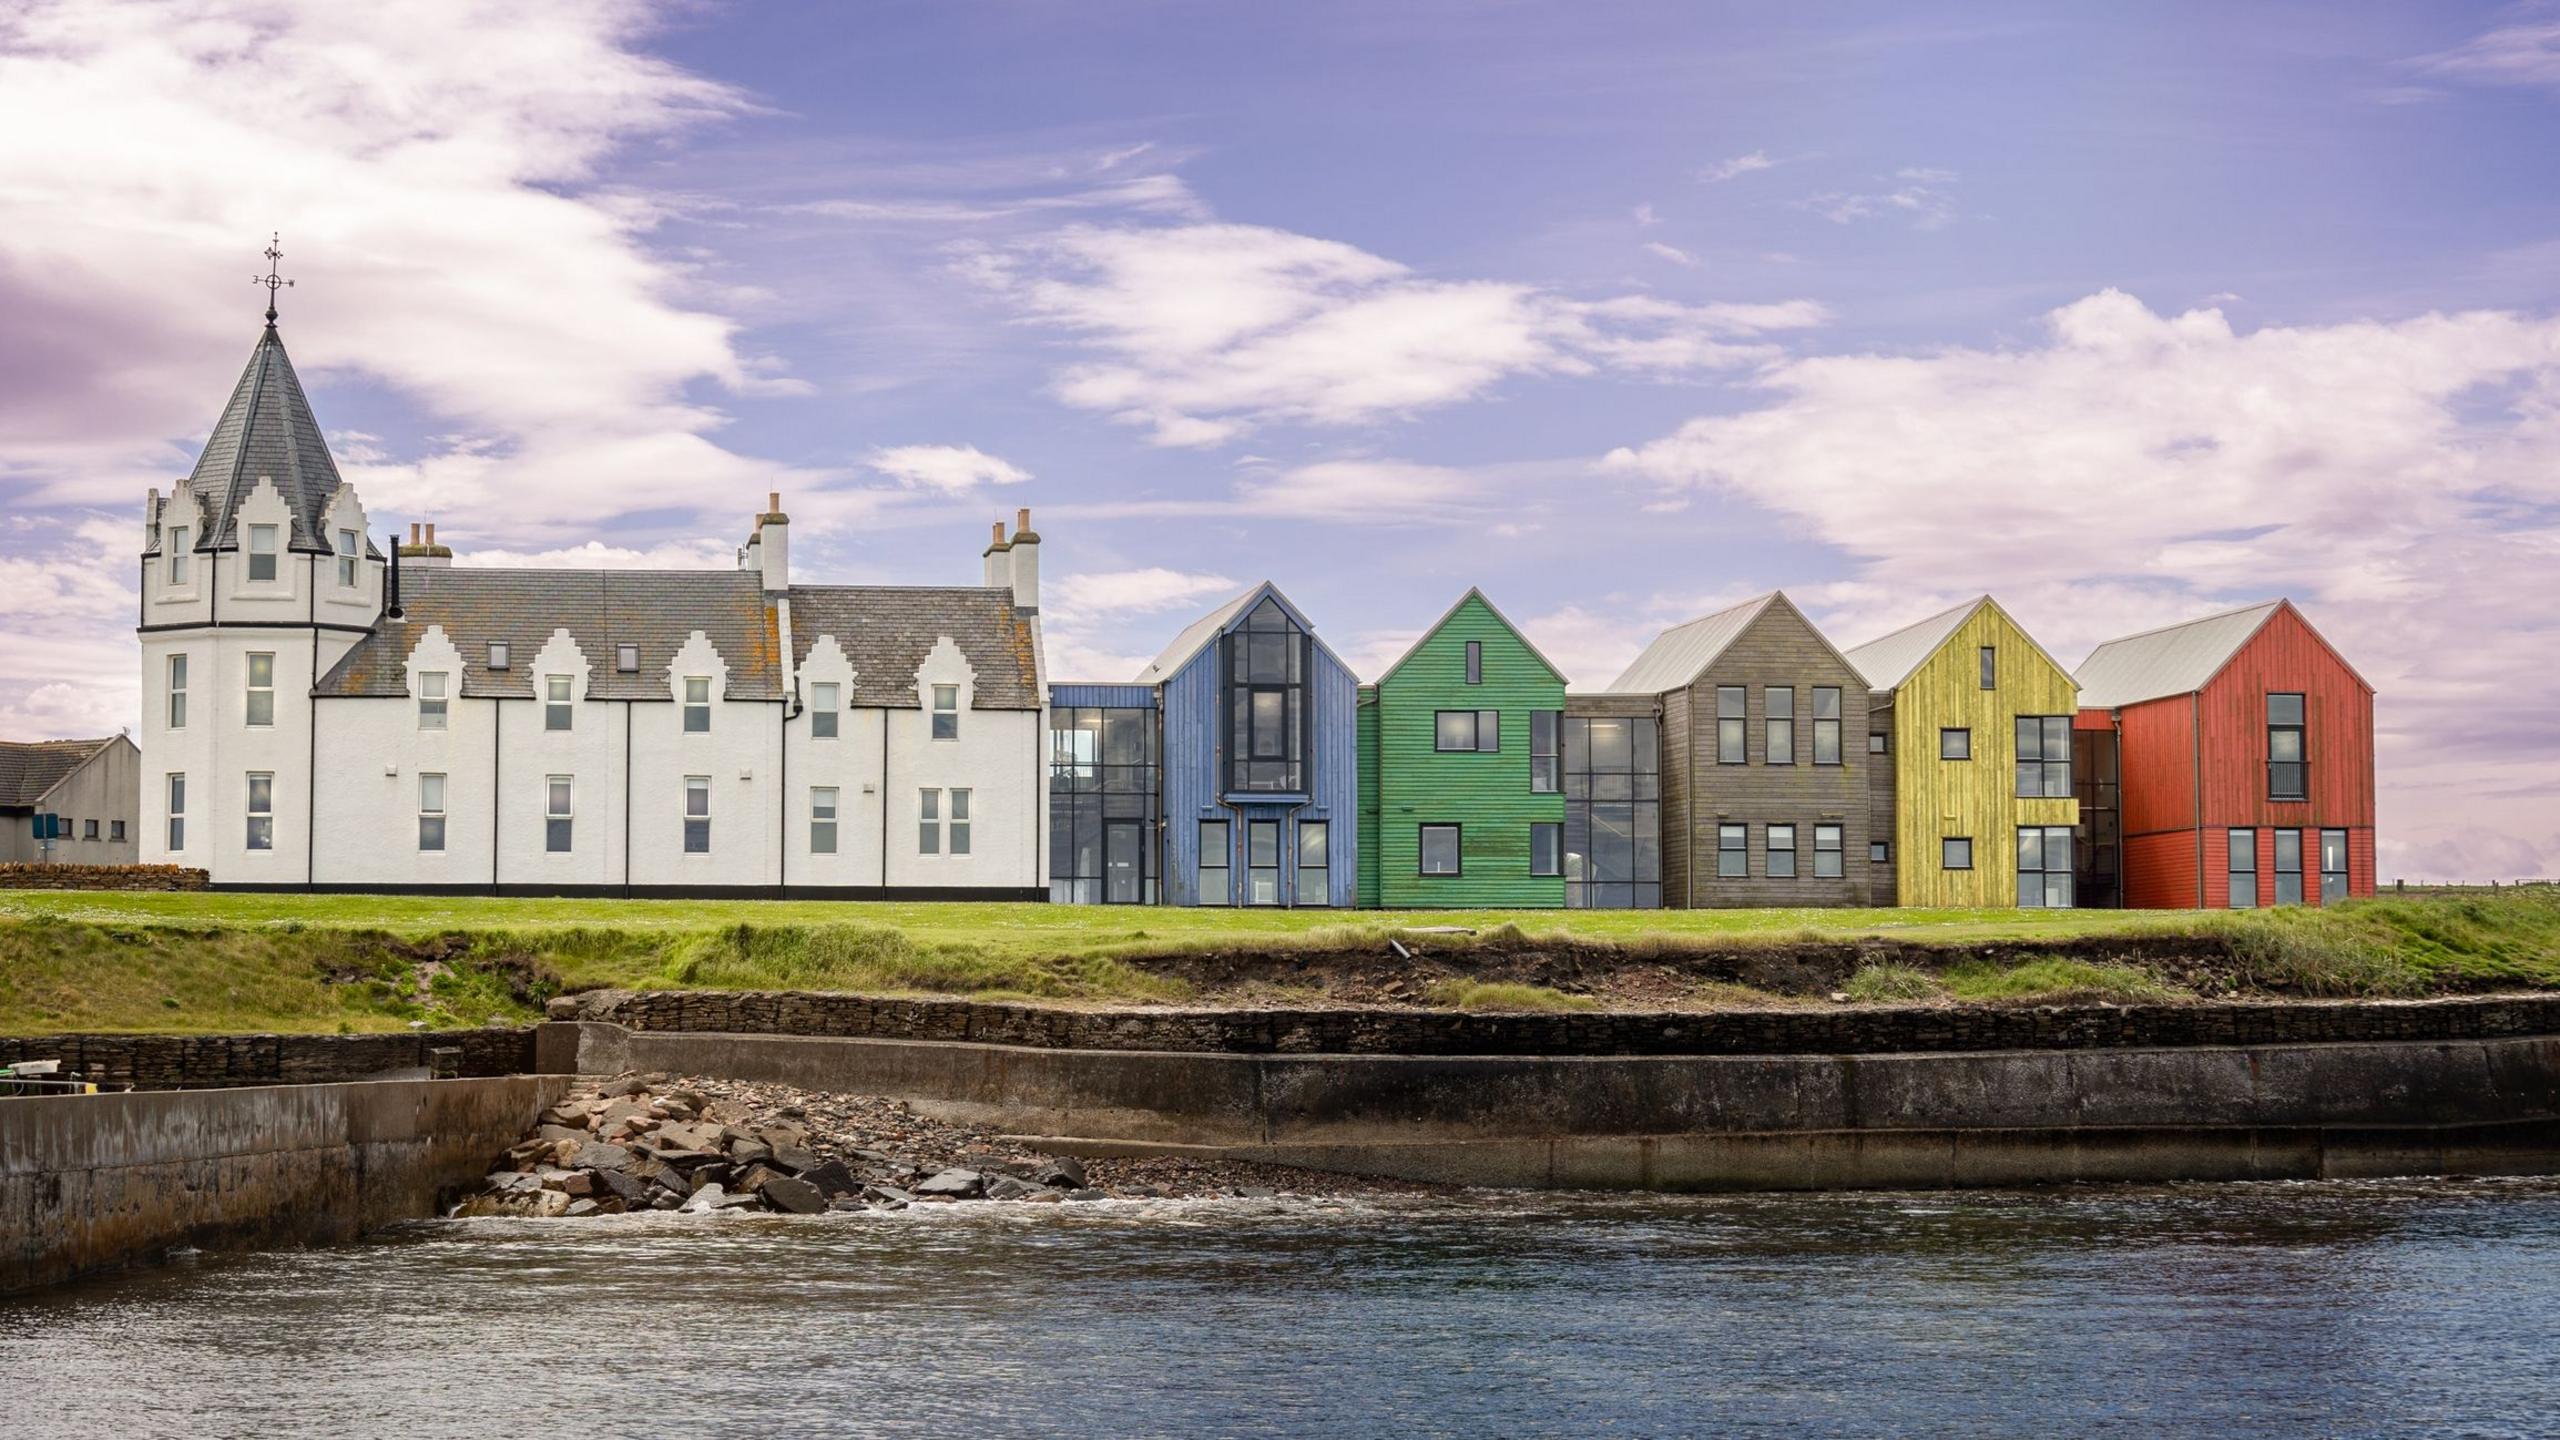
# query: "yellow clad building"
[[1979, 731]]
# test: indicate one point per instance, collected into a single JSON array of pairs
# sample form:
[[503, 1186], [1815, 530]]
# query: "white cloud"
[[1672, 253], [2526, 52], [1365, 491], [1645, 216], [596, 555], [1202, 333], [951, 469], [2401, 480], [1739, 165], [1916, 194], [1138, 592], [1106, 625]]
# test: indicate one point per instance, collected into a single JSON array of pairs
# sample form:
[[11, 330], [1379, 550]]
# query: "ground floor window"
[[1441, 853], [822, 820], [261, 810], [1782, 852], [1315, 863], [697, 814], [2044, 866], [2333, 866], [1102, 848], [1612, 854], [1879, 852], [1546, 848], [1955, 852], [959, 827], [177, 812], [431, 812], [1216, 856], [2243, 869], [1826, 852], [1733, 852], [2288, 867], [1262, 862]]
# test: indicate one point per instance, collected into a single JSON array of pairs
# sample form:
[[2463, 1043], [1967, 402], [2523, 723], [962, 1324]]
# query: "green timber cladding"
[[1462, 738]]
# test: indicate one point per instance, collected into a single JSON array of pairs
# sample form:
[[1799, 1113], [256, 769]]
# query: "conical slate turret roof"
[[267, 429]]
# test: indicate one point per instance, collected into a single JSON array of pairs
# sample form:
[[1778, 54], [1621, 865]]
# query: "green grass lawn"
[[228, 962]]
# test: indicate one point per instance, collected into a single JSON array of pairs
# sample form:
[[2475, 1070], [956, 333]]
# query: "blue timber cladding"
[[1192, 699], [1118, 697]]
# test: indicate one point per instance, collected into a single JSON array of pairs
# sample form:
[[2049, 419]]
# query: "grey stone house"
[[95, 786], [1766, 765]]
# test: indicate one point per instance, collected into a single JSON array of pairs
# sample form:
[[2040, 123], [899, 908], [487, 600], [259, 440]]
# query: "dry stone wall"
[[195, 1062]]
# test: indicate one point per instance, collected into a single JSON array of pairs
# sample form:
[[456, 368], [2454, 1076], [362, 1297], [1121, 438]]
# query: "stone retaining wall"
[[190, 1062], [22, 876], [1837, 1031], [92, 1182]]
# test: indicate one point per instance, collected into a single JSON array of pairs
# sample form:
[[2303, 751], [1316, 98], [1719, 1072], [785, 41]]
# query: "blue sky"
[[1622, 312]]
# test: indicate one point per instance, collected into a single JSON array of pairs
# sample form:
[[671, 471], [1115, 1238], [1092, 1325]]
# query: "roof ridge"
[[1923, 620], [2183, 624]]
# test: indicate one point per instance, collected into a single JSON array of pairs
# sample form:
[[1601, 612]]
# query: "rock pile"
[[658, 1142]]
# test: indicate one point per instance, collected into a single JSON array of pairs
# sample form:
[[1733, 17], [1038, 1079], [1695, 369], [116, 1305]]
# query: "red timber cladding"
[[2160, 871], [2285, 655]]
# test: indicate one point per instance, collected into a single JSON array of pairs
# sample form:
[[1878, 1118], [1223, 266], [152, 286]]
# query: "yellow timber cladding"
[[1973, 799]]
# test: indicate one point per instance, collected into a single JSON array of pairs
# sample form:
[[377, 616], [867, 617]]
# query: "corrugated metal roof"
[[29, 768], [1196, 634], [1677, 655], [1888, 660], [1473, 593], [2172, 660]]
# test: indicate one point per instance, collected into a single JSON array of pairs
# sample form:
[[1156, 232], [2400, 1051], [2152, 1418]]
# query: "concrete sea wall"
[[187, 1062], [92, 1182], [1706, 1122]]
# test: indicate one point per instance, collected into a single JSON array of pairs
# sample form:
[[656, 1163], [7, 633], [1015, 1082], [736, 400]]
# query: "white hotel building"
[[319, 715]]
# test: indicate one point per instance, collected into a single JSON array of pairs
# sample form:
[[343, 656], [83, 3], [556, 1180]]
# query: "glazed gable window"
[[431, 699], [2044, 757], [1778, 719], [262, 552], [1730, 725], [347, 558], [1826, 724], [697, 704], [556, 708], [946, 712], [2287, 777], [1475, 662], [822, 710], [178, 554]]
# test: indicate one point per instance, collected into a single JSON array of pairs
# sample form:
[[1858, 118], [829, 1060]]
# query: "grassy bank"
[[205, 963]]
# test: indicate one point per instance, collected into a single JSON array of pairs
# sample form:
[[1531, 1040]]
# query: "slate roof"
[[267, 429], [1678, 654], [887, 630], [1888, 660], [658, 610], [29, 768], [2172, 660]]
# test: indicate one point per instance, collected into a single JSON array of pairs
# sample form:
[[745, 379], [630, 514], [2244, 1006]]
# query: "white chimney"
[[1025, 552], [999, 564], [773, 545]]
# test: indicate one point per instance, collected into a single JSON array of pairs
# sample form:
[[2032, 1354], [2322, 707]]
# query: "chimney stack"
[[423, 551], [999, 564], [1024, 551], [773, 545]]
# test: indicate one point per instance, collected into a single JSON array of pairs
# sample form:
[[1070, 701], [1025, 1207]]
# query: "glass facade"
[[2098, 842], [1103, 784], [1612, 812], [1266, 662]]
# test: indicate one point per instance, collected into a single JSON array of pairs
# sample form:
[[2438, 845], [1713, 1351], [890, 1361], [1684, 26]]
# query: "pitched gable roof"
[[1678, 655], [1888, 660], [29, 769], [266, 429], [657, 610], [1198, 633], [2178, 659], [885, 632], [1477, 595]]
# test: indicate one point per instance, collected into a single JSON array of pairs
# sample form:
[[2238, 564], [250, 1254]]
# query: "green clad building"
[[1461, 797]]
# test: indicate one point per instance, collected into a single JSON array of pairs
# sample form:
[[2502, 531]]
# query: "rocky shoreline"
[[701, 1146]]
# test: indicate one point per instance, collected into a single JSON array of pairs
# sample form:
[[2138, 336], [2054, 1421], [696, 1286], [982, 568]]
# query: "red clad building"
[[2226, 762]]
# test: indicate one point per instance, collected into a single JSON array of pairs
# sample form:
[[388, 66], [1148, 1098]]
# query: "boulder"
[[598, 1155], [576, 1183], [630, 1189], [675, 1136], [793, 1195], [754, 1177], [888, 1194], [1009, 1187], [847, 1202], [509, 1182], [952, 1183], [557, 1133], [537, 1204], [798, 1159], [1066, 1172], [750, 1152], [579, 1209], [833, 1177], [1088, 1193]]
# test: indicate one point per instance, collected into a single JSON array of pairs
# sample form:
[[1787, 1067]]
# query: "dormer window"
[[946, 712], [347, 558], [497, 654], [178, 554], [262, 552], [556, 706], [431, 700], [697, 704], [626, 658]]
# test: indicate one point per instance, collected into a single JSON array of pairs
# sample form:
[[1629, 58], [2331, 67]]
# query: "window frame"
[[115, 831], [1546, 753], [697, 712], [929, 820], [174, 792], [174, 712], [1553, 832], [346, 551], [1475, 662], [559, 814], [1944, 853], [1733, 726], [2300, 730], [1737, 854], [1987, 658], [500, 655], [824, 698], [946, 718], [2292, 873], [178, 554], [1477, 729], [2234, 847], [2345, 872], [1224, 850], [956, 821], [2042, 727], [267, 533], [433, 691], [253, 692], [1321, 875], [1837, 849], [1966, 742], [1255, 869], [432, 785], [825, 813], [1879, 742], [1778, 732], [696, 830], [1827, 727], [256, 837], [1457, 840], [558, 708], [626, 658], [1879, 852], [1770, 849], [2046, 837]]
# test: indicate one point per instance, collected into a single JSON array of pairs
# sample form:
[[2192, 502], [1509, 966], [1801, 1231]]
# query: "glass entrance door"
[[1123, 870]]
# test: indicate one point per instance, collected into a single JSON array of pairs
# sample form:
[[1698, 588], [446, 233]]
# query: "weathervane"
[[275, 254]]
